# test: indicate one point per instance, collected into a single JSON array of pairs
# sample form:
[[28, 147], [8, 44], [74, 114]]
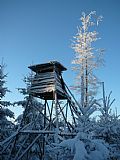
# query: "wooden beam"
[[47, 132], [18, 158]]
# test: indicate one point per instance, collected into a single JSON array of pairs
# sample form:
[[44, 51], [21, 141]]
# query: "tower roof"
[[47, 67]]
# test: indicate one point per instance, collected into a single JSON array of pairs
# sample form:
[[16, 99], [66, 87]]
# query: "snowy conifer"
[[6, 125], [108, 126], [87, 58], [29, 103]]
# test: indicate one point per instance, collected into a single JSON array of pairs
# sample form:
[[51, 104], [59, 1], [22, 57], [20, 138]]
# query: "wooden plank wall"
[[46, 82]]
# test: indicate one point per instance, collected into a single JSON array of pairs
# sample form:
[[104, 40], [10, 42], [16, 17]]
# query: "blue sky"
[[37, 31]]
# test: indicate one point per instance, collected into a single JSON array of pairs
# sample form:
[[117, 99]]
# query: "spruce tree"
[[6, 126], [108, 125]]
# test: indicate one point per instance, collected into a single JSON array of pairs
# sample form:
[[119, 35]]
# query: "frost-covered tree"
[[6, 126], [108, 126], [85, 145], [87, 57], [29, 103]]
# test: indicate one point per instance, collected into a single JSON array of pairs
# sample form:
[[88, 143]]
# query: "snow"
[[101, 152], [70, 144], [81, 153]]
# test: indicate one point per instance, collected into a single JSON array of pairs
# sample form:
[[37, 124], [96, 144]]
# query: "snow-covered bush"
[[82, 147]]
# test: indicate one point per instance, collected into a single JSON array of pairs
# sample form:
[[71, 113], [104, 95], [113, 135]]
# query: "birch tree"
[[87, 57]]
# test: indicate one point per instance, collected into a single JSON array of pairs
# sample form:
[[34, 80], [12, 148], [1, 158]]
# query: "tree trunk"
[[86, 84], [82, 87]]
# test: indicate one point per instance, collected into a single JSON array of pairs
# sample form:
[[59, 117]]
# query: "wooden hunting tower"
[[50, 121], [48, 81]]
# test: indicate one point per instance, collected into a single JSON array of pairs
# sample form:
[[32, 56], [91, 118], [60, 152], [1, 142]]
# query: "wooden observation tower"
[[48, 83], [58, 114]]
